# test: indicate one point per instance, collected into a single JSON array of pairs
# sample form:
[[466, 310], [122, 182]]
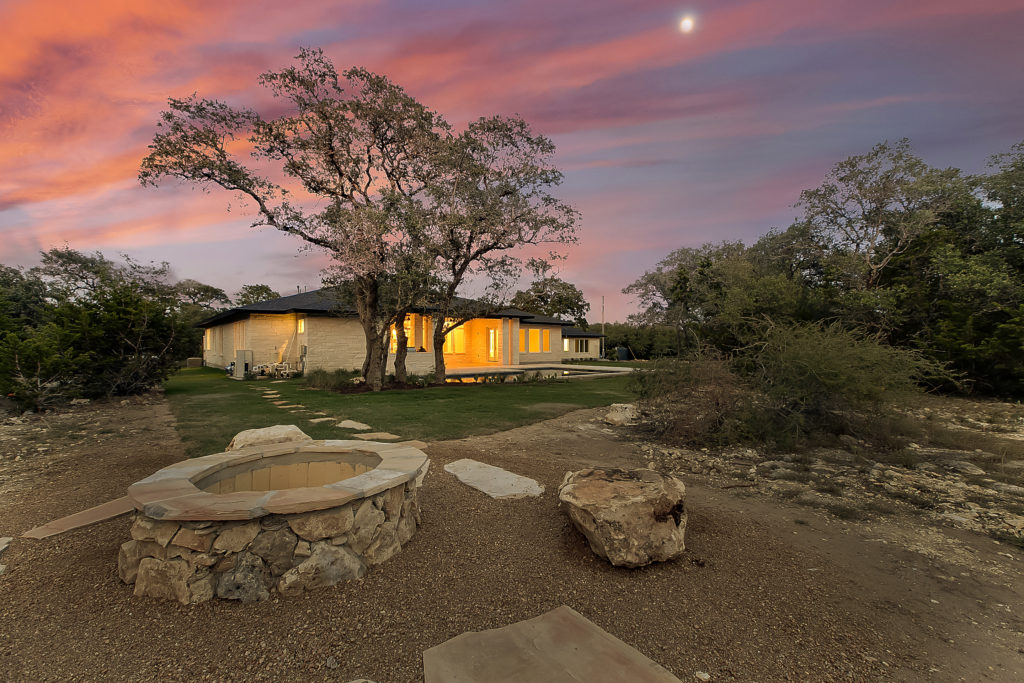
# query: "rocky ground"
[[770, 588]]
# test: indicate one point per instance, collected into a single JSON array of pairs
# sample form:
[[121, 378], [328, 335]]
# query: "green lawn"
[[210, 408], [610, 363]]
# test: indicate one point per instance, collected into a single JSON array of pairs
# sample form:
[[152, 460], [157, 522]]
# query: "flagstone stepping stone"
[[377, 436], [280, 403], [100, 513], [494, 481], [352, 424], [560, 646], [317, 420], [414, 443], [279, 381], [289, 405]]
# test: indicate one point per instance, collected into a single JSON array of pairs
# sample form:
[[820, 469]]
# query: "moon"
[[686, 24]]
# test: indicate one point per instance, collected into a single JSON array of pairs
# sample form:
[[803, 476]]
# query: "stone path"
[[560, 646], [494, 481], [296, 408], [377, 436]]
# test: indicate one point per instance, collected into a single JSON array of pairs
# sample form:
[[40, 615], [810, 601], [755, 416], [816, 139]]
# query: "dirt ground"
[[766, 591]]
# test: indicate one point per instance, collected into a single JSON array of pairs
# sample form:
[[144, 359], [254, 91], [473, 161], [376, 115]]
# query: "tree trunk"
[[439, 369], [366, 306], [385, 343], [401, 350]]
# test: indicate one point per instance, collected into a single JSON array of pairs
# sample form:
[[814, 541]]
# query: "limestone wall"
[[194, 561], [593, 351], [333, 343], [535, 352]]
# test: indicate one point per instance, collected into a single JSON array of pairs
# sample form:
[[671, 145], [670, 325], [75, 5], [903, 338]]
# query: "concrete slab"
[[494, 481], [100, 513], [560, 646], [377, 436]]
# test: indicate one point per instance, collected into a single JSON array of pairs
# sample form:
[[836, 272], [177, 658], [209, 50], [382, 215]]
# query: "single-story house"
[[580, 344], [312, 330]]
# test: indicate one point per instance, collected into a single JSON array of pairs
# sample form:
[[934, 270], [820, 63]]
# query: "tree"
[[198, 294], [254, 294], [358, 147], [553, 296], [872, 206], [490, 197], [89, 326]]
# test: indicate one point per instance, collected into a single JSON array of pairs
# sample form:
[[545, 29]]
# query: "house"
[[580, 344], [312, 330]]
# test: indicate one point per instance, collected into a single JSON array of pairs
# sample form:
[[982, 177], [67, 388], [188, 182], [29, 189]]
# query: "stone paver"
[[377, 436], [317, 420], [100, 513], [352, 424], [494, 481], [560, 646]]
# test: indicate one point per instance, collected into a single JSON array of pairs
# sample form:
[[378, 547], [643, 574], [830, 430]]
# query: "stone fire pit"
[[288, 517]]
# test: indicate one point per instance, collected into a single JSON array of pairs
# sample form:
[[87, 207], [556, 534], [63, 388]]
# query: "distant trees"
[[82, 325], [929, 259], [407, 209], [553, 296], [254, 294]]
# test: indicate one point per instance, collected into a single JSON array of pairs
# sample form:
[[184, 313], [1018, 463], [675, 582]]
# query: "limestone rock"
[[233, 539], [392, 502], [328, 565], [964, 467], [194, 539], [148, 529], [168, 580], [267, 435], [367, 519], [353, 425], [314, 526], [621, 414], [384, 545], [630, 517], [132, 553], [276, 548], [408, 520], [493, 481], [246, 581]]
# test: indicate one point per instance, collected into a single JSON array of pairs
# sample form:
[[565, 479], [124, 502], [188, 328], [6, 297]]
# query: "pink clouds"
[[755, 103]]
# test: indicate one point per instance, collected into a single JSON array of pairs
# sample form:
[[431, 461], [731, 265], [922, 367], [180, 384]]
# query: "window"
[[408, 336], [534, 341], [492, 344], [455, 341], [565, 344], [547, 341], [208, 339], [582, 346], [522, 341], [302, 325]]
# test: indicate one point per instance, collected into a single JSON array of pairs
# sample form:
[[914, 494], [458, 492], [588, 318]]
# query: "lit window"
[[547, 341], [522, 341], [208, 339], [455, 341], [565, 344], [534, 341], [302, 325]]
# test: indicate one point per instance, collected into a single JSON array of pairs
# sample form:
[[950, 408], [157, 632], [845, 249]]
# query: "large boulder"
[[267, 435], [630, 517]]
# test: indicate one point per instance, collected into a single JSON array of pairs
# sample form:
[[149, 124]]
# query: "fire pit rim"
[[171, 494]]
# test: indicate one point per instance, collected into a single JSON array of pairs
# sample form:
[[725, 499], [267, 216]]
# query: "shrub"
[[337, 380], [793, 384]]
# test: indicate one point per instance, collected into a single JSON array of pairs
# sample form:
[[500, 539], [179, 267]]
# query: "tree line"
[[82, 325], [921, 258]]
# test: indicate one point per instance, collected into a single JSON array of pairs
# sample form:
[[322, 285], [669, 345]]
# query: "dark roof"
[[316, 302], [321, 302], [577, 332]]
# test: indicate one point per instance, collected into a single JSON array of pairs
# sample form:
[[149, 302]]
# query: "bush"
[[796, 382], [338, 380]]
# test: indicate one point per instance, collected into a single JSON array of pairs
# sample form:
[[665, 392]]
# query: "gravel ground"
[[766, 590]]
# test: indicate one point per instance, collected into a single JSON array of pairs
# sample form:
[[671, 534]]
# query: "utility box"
[[243, 363]]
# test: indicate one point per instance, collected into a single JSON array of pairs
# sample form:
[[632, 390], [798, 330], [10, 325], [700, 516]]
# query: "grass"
[[610, 363], [210, 408]]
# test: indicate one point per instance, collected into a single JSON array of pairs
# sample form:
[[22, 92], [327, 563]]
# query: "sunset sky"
[[667, 139]]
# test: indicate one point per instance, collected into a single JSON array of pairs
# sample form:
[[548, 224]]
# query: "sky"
[[667, 139]]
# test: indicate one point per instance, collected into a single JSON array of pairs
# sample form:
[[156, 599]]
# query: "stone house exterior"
[[580, 344], [311, 330]]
